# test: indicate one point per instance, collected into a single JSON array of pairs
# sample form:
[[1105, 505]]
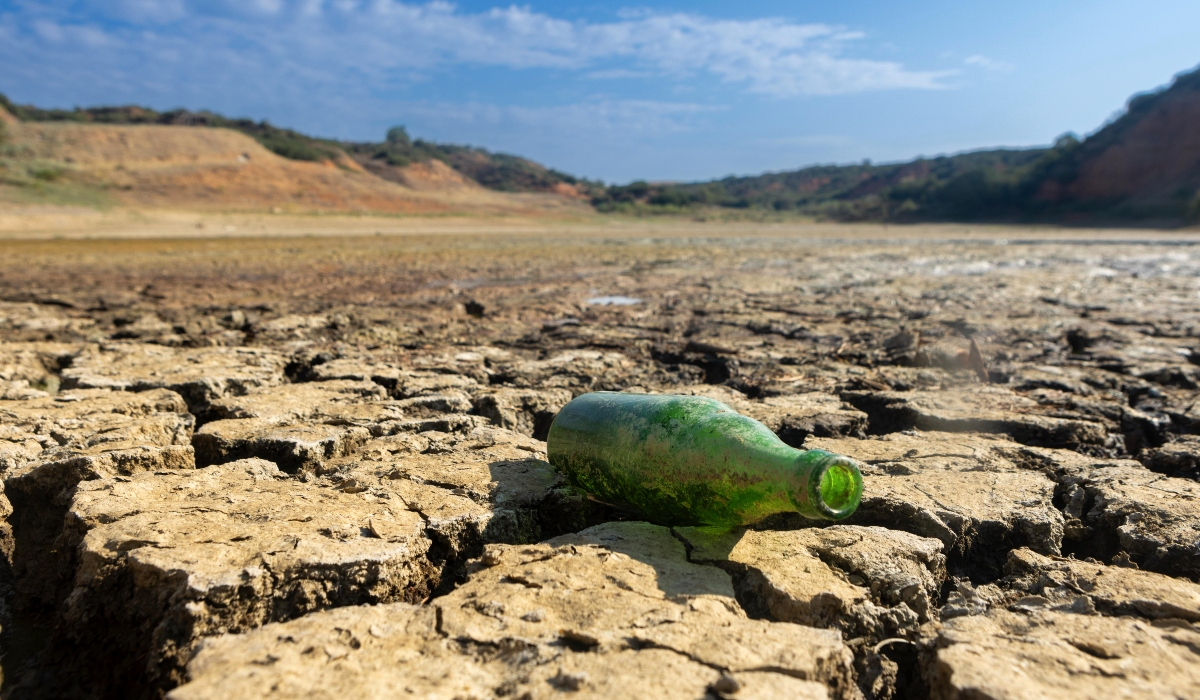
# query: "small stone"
[[569, 681], [1122, 559], [726, 685]]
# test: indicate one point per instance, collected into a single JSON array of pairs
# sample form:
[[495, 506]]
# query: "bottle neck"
[[828, 485]]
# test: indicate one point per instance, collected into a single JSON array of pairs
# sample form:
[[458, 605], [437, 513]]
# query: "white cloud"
[[808, 141], [988, 64], [770, 56], [623, 116], [77, 35], [379, 39], [150, 11], [266, 6], [48, 31], [617, 74]]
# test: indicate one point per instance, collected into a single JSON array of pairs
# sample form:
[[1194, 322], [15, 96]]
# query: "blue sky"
[[662, 90]]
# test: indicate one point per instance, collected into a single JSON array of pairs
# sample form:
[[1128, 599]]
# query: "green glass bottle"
[[692, 460]]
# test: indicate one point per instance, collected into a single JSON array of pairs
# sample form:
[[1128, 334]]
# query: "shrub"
[[49, 173]]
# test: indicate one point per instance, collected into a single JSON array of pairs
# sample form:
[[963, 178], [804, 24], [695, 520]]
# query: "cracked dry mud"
[[315, 467]]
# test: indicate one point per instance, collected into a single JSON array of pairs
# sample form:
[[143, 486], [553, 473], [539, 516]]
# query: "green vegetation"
[[285, 142], [983, 184], [49, 173], [497, 171], [42, 184]]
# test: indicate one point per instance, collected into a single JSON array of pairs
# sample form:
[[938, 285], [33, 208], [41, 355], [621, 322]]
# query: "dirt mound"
[[134, 147], [428, 176], [175, 166], [435, 176]]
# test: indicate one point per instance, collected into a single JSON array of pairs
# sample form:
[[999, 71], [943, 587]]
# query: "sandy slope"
[[219, 169]]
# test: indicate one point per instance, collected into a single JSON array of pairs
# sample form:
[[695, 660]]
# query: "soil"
[[296, 458]]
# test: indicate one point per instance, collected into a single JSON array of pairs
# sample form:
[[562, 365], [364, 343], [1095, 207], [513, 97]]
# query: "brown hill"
[[1161, 150], [214, 168], [1148, 159]]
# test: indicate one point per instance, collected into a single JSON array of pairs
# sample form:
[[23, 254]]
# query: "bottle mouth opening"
[[837, 488]]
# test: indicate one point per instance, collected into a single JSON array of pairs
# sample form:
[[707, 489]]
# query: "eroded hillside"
[[150, 165]]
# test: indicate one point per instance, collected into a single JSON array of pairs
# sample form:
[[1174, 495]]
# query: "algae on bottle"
[[692, 460]]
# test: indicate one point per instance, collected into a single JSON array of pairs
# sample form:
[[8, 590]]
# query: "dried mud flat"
[[313, 467]]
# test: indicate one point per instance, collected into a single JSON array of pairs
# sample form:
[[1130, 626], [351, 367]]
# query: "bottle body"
[[692, 460]]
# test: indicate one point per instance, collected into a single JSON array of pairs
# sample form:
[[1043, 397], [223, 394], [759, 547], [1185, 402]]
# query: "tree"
[[398, 136]]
